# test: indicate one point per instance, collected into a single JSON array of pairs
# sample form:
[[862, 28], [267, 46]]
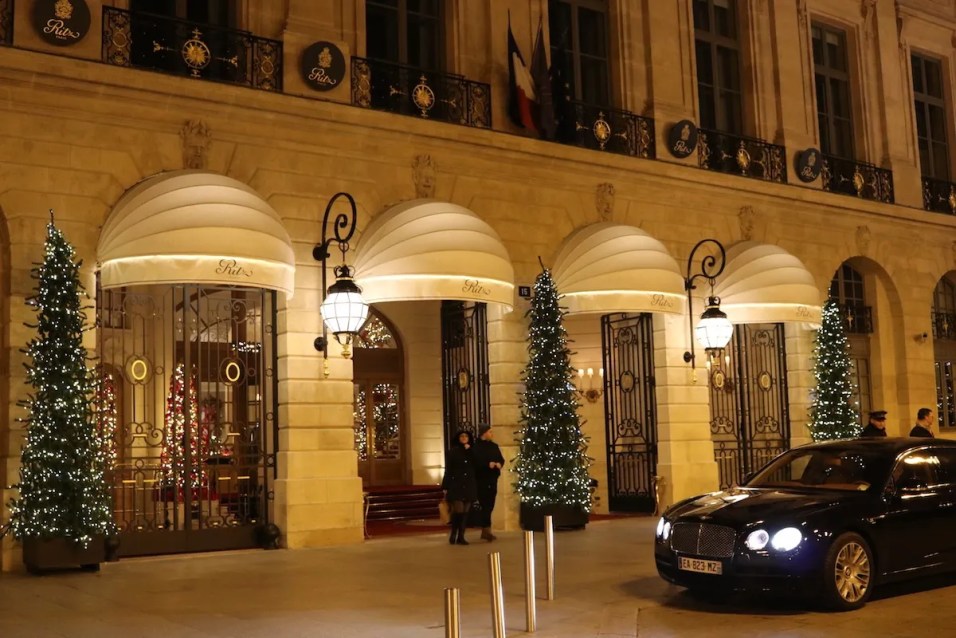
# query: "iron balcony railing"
[[605, 129], [739, 155], [861, 179], [398, 88], [148, 41], [939, 196], [857, 318], [6, 22], [944, 325]]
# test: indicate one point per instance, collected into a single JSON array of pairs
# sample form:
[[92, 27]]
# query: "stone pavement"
[[606, 585]]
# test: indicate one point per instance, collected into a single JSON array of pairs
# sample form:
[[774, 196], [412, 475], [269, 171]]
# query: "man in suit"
[[488, 464], [877, 424], [924, 423]]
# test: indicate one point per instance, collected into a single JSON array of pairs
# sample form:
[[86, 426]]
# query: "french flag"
[[522, 100]]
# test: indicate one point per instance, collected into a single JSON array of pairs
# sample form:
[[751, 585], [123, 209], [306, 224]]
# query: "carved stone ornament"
[[802, 13], [196, 140], [423, 174], [604, 200], [747, 218], [863, 239], [868, 10]]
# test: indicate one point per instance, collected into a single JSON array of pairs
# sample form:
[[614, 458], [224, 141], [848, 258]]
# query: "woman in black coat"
[[459, 485]]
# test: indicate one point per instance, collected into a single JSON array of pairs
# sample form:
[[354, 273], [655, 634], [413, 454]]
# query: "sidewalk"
[[606, 585]]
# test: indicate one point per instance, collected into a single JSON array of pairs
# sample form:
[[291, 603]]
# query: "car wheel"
[[848, 572]]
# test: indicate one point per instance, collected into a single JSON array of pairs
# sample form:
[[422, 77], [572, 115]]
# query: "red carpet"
[[378, 529]]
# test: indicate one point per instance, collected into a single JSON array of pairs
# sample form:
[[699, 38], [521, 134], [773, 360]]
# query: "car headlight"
[[666, 531], [660, 527], [786, 539], [757, 539]]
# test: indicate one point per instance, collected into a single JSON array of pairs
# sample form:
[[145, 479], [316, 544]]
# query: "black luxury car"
[[829, 519]]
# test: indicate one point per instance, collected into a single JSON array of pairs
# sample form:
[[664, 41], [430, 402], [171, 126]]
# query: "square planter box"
[[563, 517], [40, 555]]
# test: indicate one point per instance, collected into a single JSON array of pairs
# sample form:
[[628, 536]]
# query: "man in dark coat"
[[459, 484], [877, 424], [488, 464], [924, 423]]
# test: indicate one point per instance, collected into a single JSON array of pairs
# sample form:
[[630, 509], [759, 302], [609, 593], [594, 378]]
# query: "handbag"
[[444, 515]]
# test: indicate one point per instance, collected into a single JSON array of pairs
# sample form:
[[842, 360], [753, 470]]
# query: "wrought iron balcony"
[[195, 50], [739, 155], [860, 179], [944, 325], [857, 318], [613, 130], [939, 196], [6, 22], [407, 90]]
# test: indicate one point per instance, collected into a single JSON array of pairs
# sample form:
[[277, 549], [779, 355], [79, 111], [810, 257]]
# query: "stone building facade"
[[90, 122]]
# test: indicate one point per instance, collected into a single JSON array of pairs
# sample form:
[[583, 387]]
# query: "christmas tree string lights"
[[104, 406], [173, 458], [552, 462], [62, 491], [832, 413]]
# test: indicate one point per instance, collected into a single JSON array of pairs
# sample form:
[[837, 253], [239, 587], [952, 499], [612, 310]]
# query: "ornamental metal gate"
[[466, 399], [630, 410], [187, 400], [750, 418]]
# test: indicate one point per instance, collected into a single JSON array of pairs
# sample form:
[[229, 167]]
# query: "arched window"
[[848, 290]]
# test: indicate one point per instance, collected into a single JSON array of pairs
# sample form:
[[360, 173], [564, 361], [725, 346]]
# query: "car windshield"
[[824, 468]]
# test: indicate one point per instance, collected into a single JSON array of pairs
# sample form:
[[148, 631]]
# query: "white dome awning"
[[608, 268], [195, 227], [763, 283], [427, 249]]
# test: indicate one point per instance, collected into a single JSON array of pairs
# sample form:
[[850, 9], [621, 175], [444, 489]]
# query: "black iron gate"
[[750, 418], [630, 411], [466, 399], [187, 398]]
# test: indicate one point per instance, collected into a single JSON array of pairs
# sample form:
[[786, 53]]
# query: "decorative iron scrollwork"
[[180, 47], [939, 196], [409, 91], [859, 179], [6, 22], [739, 155], [612, 130]]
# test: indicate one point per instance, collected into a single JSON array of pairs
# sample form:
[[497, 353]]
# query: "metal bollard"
[[530, 617], [549, 551], [497, 595], [452, 612]]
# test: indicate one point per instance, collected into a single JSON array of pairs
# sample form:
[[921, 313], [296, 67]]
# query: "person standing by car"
[[459, 484], [924, 423], [877, 424], [488, 464]]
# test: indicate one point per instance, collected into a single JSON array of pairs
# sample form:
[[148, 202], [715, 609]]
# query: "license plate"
[[701, 566]]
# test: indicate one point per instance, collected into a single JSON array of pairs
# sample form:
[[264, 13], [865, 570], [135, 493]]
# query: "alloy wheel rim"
[[852, 572]]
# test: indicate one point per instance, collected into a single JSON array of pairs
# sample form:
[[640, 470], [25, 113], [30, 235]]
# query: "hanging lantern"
[[344, 311], [714, 329]]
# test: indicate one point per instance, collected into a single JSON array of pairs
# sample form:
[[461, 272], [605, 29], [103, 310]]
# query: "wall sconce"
[[592, 394], [921, 338], [343, 310], [714, 329]]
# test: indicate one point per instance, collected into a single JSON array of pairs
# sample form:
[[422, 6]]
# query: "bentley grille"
[[703, 539]]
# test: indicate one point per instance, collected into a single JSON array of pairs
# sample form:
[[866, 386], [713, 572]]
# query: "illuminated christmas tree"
[[173, 457], [104, 409], [552, 462], [832, 415], [62, 491]]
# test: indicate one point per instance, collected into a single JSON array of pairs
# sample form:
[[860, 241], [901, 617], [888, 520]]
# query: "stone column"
[[685, 458], [800, 382]]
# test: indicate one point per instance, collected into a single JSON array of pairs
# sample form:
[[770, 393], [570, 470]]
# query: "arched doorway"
[[379, 428], [190, 268], [944, 349]]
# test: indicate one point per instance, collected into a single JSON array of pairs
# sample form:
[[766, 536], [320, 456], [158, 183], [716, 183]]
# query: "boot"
[[455, 520], [487, 535], [462, 523]]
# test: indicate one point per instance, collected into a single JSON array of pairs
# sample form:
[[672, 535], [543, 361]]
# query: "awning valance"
[[195, 227], [427, 249], [607, 267], [763, 283]]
